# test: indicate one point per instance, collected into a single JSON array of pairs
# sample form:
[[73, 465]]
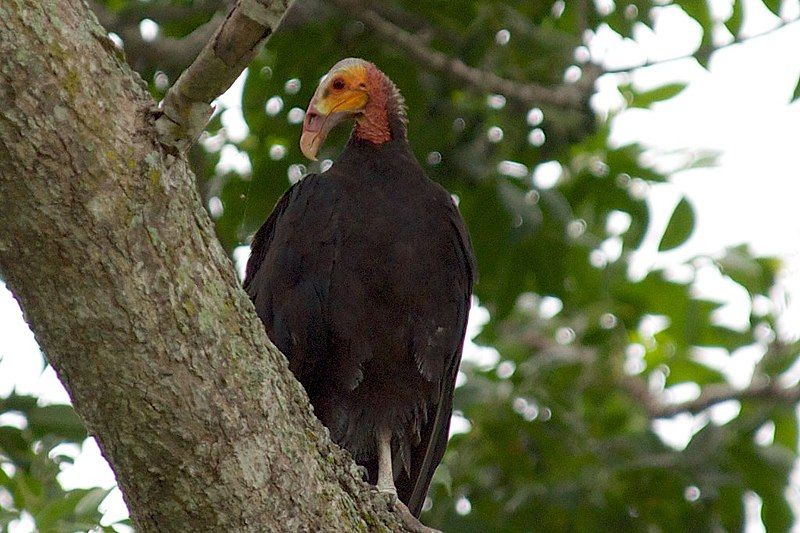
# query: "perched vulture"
[[362, 276]]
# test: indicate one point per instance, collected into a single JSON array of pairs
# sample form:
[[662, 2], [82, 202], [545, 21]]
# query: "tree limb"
[[168, 54], [187, 105], [135, 12], [710, 395], [528, 94], [111, 255], [171, 55]]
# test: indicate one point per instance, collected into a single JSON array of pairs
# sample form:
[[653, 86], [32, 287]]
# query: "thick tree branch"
[[161, 11], [528, 94], [187, 106], [171, 55], [114, 260], [168, 54]]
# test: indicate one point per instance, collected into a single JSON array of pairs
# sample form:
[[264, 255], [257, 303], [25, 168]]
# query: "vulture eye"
[[338, 84]]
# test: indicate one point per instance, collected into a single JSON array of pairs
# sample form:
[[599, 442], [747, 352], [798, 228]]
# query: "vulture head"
[[354, 88]]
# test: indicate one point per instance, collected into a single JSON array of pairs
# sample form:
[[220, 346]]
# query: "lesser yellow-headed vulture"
[[362, 276]]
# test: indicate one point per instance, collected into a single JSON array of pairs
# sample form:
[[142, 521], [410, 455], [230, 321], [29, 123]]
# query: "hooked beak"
[[316, 127]]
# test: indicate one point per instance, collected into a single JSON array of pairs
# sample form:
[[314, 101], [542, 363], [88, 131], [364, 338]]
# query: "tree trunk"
[[105, 243]]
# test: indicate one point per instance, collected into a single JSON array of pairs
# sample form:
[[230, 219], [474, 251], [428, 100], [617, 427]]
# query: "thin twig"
[[710, 395], [735, 41], [582, 15]]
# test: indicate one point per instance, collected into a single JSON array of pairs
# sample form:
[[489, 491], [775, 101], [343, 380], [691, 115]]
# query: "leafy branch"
[[528, 94], [738, 39], [762, 388]]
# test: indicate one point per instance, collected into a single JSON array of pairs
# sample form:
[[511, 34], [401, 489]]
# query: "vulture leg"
[[386, 484], [385, 474]]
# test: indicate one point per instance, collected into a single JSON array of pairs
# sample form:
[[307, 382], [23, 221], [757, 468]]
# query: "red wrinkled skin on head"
[[373, 125]]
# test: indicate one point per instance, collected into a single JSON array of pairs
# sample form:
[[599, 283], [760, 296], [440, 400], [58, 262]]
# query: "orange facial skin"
[[353, 88]]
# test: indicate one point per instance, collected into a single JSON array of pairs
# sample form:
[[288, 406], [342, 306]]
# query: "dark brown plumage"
[[362, 276]]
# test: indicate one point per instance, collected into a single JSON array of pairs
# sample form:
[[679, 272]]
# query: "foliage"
[[561, 433], [562, 425], [31, 456]]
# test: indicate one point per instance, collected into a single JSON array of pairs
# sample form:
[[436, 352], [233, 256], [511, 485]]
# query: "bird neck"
[[384, 116]]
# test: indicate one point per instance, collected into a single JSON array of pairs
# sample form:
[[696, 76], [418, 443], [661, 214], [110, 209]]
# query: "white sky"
[[738, 108]]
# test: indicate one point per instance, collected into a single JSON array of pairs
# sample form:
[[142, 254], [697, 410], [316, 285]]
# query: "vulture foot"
[[362, 471], [387, 490], [410, 521], [386, 485]]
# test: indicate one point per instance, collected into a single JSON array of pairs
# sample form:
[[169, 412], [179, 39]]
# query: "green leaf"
[[727, 338], [796, 92], [14, 445], [776, 513], [700, 12], [786, 431], [647, 98], [731, 505], [16, 402], [91, 501], [685, 370], [57, 420], [734, 23], [679, 228], [58, 510], [774, 6], [757, 275], [28, 493]]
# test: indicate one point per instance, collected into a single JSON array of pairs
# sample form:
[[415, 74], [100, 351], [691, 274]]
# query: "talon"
[[387, 490], [410, 521]]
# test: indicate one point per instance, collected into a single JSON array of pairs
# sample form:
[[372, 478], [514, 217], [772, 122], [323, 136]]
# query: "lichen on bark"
[[106, 245]]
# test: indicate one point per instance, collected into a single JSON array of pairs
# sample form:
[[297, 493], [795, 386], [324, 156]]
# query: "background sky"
[[738, 108]]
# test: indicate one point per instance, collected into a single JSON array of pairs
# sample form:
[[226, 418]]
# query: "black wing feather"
[[262, 240], [288, 276], [341, 259], [433, 442]]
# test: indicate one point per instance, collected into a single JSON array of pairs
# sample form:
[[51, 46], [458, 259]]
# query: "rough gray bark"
[[115, 263]]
